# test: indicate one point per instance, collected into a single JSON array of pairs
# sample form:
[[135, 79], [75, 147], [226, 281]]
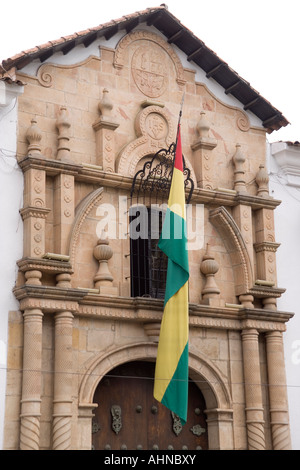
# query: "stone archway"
[[204, 373]]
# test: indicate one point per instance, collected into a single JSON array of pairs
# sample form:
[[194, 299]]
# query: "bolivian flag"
[[171, 372]]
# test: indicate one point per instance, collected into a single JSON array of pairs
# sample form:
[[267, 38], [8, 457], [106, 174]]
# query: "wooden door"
[[129, 418]]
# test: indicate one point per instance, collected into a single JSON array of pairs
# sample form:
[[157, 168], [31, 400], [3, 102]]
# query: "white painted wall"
[[11, 225], [284, 170]]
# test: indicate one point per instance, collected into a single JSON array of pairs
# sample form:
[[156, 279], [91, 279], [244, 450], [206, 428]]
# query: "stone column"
[[277, 391], [253, 392], [31, 383], [63, 369]]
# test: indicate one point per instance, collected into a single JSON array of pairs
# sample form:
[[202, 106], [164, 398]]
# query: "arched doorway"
[[129, 418]]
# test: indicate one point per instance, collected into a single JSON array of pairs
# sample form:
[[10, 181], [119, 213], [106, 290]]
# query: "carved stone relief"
[[149, 71]]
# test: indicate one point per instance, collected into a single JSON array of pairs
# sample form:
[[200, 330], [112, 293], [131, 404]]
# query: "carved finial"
[[34, 137], [102, 253], [209, 267], [105, 105], [262, 180], [63, 125], [239, 173], [203, 125]]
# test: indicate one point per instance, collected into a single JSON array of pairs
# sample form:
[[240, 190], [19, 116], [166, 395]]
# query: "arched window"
[[149, 198]]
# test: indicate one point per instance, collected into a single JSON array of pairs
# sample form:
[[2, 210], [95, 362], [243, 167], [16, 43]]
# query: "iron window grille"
[[148, 203]]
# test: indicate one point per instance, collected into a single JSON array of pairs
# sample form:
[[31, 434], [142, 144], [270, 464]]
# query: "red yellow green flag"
[[171, 371]]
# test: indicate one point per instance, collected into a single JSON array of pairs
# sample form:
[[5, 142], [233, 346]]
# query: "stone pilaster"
[[277, 391], [265, 248], [203, 158], [31, 382], [34, 213], [63, 368], [253, 392], [64, 210], [105, 138]]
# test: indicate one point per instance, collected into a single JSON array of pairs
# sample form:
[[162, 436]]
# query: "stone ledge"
[[94, 174], [84, 303]]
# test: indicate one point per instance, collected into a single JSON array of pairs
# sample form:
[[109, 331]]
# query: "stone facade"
[[83, 132]]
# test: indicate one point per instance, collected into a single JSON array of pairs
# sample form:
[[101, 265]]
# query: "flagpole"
[[179, 119]]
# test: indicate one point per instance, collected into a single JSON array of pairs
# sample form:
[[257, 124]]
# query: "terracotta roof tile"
[[170, 26]]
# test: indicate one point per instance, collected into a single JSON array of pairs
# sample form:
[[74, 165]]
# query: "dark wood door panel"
[[128, 416]]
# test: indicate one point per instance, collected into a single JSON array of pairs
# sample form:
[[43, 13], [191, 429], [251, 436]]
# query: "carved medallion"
[[156, 126], [149, 70]]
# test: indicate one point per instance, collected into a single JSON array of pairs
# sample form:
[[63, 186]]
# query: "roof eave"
[[175, 33]]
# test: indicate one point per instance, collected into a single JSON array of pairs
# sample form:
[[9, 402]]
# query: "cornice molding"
[[88, 304], [287, 157], [96, 175]]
